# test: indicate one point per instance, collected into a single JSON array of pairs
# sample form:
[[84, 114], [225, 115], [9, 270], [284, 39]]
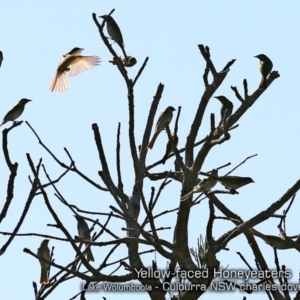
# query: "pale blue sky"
[[33, 36]]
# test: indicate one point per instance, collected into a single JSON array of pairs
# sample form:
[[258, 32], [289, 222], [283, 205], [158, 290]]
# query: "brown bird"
[[265, 68], [226, 108], [164, 119], [234, 182], [44, 252], [204, 185], [84, 233], [130, 62], [15, 112], [275, 241], [169, 148], [114, 32], [72, 64]]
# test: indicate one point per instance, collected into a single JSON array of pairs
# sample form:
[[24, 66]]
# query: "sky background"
[[33, 37]]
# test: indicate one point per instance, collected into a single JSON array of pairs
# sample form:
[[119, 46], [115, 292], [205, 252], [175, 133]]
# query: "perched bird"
[[129, 62], [1, 58], [72, 64], [234, 182], [226, 108], [164, 119], [114, 32], [275, 241], [15, 112], [204, 185], [169, 148], [44, 252], [84, 233], [265, 68]]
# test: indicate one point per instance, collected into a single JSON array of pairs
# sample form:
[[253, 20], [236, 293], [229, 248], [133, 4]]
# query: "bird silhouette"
[[72, 64], [44, 252], [114, 32], [84, 233], [265, 68], [164, 119], [16, 111], [226, 108], [129, 62]]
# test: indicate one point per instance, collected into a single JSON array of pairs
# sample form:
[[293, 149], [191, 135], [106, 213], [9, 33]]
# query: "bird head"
[[131, 61], [105, 17], [248, 180], [78, 217], [261, 57], [24, 101], [171, 108], [74, 51], [221, 98], [45, 242], [214, 172]]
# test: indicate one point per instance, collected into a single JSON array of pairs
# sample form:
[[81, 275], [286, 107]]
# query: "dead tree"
[[127, 207]]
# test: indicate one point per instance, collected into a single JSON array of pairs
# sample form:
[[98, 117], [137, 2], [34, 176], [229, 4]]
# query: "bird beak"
[[255, 56], [102, 16]]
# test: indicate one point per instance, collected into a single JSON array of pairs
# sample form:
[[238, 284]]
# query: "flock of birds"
[[72, 64], [229, 182]]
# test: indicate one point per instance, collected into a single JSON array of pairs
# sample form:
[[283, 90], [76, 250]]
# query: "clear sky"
[[34, 35]]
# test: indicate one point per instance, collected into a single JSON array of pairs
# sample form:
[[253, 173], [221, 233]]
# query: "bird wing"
[[83, 63]]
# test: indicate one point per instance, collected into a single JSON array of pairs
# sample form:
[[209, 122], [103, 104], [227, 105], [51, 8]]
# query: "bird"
[[169, 148], [44, 252], [265, 68], [226, 108], [204, 185], [15, 112], [129, 62], [280, 243], [234, 182], [72, 64], [164, 119], [84, 233], [114, 32], [1, 58]]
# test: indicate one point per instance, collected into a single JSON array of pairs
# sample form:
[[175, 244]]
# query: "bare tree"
[[193, 270]]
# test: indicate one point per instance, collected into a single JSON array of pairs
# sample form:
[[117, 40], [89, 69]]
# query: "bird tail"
[[123, 49], [263, 83], [44, 275], [60, 83], [89, 255], [151, 144], [186, 196]]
